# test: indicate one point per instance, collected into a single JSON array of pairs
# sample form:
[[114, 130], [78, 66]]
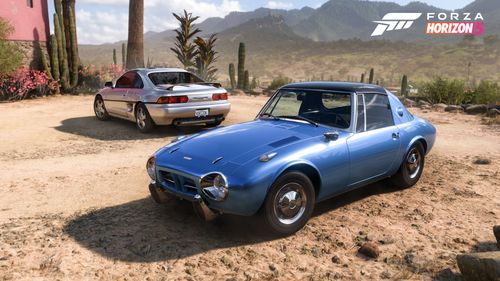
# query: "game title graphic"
[[437, 23]]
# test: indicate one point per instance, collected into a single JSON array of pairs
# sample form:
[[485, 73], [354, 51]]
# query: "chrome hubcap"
[[141, 118], [290, 203], [413, 162], [99, 108]]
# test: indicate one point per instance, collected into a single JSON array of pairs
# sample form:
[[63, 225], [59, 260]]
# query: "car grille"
[[178, 182]]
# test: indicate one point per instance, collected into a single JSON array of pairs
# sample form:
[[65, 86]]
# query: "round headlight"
[[215, 186], [151, 167], [219, 181]]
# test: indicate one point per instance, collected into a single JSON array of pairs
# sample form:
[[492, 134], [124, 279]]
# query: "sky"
[[105, 21]]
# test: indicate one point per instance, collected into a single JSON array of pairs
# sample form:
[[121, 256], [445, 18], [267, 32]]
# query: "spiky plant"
[[241, 65], [114, 56], [232, 75], [184, 50], [370, 78], [206, 56], [362, 80], [404, 85]]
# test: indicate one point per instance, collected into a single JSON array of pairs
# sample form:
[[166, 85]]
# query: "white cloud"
[[96, 25], [279, 5]]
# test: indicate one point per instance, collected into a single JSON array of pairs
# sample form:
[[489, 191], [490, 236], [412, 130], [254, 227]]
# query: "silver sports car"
[[162, 96]]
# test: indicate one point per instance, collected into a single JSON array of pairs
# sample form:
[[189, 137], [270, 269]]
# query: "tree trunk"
[[135, 44]]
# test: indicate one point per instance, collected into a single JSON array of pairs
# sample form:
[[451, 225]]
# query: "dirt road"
[[74, 205]]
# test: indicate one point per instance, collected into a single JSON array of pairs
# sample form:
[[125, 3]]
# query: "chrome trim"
[[213, 192]]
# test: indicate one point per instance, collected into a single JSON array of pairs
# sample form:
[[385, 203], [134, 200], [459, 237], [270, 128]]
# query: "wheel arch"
[[305, 167], [416, 139]]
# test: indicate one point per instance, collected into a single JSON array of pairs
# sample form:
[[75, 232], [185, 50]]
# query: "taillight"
[[172, 99], [217, 97]]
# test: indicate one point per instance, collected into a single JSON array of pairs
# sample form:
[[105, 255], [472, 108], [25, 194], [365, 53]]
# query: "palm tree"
[[206, 57], [135, 44], [184, 50]]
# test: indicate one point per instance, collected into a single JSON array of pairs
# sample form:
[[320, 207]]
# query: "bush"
[[486, 93], [92, 78], [442, 90], [11, 57], [25, 83], [278, 82]]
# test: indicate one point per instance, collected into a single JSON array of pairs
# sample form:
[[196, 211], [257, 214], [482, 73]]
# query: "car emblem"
[[188, 158]]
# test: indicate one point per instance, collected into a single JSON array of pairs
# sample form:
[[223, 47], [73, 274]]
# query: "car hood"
[[237, 144]]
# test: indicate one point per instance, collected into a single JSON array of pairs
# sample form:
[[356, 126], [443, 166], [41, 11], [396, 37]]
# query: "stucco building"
[[30, 19]]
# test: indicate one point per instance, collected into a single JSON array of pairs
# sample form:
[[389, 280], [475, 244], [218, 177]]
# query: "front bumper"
[[184, 114]]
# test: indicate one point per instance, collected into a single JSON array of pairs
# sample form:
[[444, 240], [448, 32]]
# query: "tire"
[[143, 120], [100, 109], [411, 169], [211, 125], [287, 219]]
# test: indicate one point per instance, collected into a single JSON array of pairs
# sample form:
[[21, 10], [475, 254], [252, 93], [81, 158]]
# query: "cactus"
[[232, 74], [46, 66], [246, 80], [241, 65], [114, 56], [149, 63], [404, 85], [362, 78], [75, 60], [124, 55], [370, 78], [54, 59], [60, 52]]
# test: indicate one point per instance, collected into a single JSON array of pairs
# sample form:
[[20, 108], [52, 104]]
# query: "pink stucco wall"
[[30, 24]]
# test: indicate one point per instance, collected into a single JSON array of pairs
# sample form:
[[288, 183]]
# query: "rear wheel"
[[289, 203], [411, 169], [143, 120], [99, 109]]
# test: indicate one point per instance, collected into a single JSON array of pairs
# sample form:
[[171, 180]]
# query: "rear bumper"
[[184, 114]]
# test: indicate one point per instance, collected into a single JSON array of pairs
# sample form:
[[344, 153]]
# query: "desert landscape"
[[74, 204]]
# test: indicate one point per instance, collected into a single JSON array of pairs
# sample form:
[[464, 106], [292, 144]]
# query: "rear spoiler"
[[213, 84]]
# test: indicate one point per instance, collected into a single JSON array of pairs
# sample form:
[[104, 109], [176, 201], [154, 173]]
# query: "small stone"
[[337, 275], [336, 259], [476, 109], [272, 267], [454, 109], [481, 161], [370, 250], [385, 275], [440, 106]]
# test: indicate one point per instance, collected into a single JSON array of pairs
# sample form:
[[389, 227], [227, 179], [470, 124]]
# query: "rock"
[[408, 102], [440, 106], [496, 231], [422, 102], [336, 259], [481, 161], [454, 109], [370, 250], [493, 112], [385, 275], [480, 266], [476, 109]]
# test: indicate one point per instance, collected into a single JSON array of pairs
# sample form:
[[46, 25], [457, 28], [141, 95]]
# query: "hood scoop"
[[217, 160], [284, 141]]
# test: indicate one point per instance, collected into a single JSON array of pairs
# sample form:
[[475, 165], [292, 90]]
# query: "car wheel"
[[100, 109], [289, 203], [211, 125], [143, 120], [411, 169]]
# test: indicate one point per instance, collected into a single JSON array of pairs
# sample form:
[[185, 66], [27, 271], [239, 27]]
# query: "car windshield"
[[327, 108], [159, 78]]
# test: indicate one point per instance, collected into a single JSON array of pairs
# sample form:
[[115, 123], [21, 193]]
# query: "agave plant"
[[206, 56], [185, 50]]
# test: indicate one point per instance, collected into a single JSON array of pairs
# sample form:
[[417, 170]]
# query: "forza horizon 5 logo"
[[440, 23]]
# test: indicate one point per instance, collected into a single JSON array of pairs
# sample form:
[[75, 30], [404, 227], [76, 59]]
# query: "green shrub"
[[486, 93], [278, 82], [11, 57], [442, 90]]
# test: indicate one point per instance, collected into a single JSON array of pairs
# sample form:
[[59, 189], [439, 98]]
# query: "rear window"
[[172, 78]]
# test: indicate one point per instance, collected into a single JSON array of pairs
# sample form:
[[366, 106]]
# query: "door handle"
[[395, 135]]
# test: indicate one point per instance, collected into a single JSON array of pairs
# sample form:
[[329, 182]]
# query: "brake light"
[[217, 97], [172, 99], [223, 96]]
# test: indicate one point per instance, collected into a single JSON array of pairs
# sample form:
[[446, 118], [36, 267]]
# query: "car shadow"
[[142, 231], [118, 129]]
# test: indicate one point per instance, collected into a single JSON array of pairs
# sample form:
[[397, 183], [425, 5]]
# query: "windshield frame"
[[351, 96]]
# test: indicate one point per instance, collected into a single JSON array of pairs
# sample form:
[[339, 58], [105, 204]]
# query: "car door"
[[116, 99], [134, 94], [374, 147]]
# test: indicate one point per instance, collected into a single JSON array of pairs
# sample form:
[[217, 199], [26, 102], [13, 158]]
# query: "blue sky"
[[105, 21]]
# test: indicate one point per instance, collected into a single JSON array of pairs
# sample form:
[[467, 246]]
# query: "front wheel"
[[289, 203], [411, 169], [100, 110], [143, 120]]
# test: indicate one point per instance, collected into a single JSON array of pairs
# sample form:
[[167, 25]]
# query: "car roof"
[[146, 71], [337, 86]]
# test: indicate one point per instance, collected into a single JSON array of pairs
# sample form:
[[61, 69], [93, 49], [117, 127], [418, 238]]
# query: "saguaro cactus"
[[241, 65], [114, 56], [404, 85], [54, 57], [232, 77], [124, 55], [246, 80], [370, 78], [362, 80]]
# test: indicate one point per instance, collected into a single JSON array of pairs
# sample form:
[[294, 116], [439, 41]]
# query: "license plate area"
[[200, 113]]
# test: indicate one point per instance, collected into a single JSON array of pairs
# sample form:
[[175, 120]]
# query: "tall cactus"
[[63, 66], [54, 58], [75, 59], [246, 80], [114, 56], [404, 85], [241, 65], [232, 77], [370, 78], [362, 80], [46, 67], [124, 55]]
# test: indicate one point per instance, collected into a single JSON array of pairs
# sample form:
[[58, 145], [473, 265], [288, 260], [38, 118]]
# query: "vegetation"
[[10, 55], [443, 90], [404, 86], [206, 57], [246, 81], [135, 43], [184, 49], [241, 65], [370, 78], [114, 56], [279, 82], [486, 92], [362, 80], [124, 55], [232, 77]]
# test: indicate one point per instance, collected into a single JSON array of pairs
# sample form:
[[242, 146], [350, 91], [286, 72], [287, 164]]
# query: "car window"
[[328, 108], [378, 112], [130, 80], [165, 78]]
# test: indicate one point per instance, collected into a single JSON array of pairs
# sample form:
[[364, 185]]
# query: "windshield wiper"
[[269, 116], [298, 117]]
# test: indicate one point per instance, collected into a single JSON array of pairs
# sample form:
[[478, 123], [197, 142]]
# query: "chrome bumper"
[[184, 114]]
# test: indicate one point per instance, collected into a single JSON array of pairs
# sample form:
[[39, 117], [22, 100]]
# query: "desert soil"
[[74, 205]]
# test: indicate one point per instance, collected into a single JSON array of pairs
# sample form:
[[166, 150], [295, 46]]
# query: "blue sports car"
[[311, 141]]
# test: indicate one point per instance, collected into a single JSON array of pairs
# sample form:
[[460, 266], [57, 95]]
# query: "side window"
[[138, 84], [360, 125], [126, 81], [378, 111]]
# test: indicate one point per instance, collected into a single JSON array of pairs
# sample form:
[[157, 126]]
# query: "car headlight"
[[151, 167], [215, 186]]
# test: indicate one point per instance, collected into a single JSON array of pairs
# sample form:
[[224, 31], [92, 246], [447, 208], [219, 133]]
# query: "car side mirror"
[[108, 84], [400, 111], [331, 136]]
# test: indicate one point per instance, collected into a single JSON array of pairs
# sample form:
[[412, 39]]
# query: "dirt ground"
[[74, 205]]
